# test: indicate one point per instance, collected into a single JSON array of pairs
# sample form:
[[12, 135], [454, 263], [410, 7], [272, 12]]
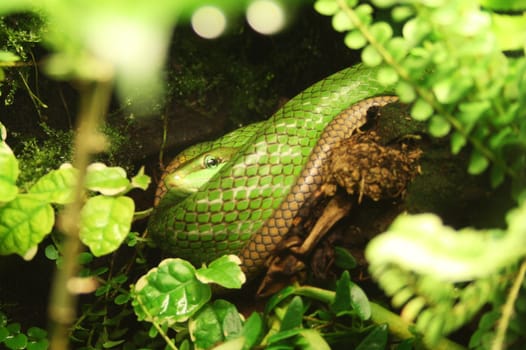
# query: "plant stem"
[[508, 309], [94, 102]]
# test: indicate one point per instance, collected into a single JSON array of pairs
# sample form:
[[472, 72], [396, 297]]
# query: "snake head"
[[197, 171]]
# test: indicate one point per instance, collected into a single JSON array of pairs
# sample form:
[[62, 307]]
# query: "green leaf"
[[497, 176], [106, 180], [282, 335], [224, 271], [252, 330], [84, 258], [364, 11], [355, 40], [342, 299], [51, 252], [56, 186], [371, 57], [458, 141], [42, 344], [277, 298], [4, 333], [381, 31], [344, 259], [439, 126], [232, 344], [105, 223], [451, 89], [205, 328], [229, 318], [25, 221], [360, 302], [141, 180], [477, 163], [14, 327], [214, 323], [112, 343], [415, 30], [398, 48], [6, 56], [402, 13], [341, 22], [326, 7], [311, 339], [421, 110], [18, 341], [376, 340], [471, 112], [122, 299], [293, 317], [169, 293], [387, 76], [405, 91], [350, 296], [8, 173]]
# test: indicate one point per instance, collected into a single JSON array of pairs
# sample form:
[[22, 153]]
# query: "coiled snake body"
[[248, 205]]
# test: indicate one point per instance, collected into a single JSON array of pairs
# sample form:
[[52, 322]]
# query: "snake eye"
[[211, 162]]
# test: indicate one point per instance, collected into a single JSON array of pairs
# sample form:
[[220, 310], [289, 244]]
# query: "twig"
[[507, 310]]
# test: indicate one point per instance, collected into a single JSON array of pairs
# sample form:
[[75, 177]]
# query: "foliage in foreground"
[[446, 59]]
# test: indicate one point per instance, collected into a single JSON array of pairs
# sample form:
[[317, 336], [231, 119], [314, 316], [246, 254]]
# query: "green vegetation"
[[453, 61]]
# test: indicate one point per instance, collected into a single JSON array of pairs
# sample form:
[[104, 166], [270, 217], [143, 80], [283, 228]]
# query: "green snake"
[[240, 193]]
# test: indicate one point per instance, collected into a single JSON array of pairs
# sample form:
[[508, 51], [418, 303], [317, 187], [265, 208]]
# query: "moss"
[[18, 34], [38, 157]]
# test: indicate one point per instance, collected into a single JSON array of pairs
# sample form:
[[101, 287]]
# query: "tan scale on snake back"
[[248, 206]]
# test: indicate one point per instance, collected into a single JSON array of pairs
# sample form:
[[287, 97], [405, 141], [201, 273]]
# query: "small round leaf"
[[439, 126], [387, 76], [477, 163], [382, 31], [371, 56], [326, 7], [355, 40], [341, 22], [405, 91], [421, 110]]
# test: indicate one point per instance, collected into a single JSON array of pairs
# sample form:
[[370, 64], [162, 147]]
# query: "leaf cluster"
[[27, 217], [12, 336], [175, 298], [448, 63]]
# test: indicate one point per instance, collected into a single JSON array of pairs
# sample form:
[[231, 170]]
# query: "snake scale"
[[247, 206]]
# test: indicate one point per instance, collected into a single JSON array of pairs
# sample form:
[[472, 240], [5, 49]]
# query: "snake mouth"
[[180, 184], [183, 183]]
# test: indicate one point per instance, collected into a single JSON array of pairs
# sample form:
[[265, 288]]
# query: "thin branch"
[[63, 301], [508, 308]]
